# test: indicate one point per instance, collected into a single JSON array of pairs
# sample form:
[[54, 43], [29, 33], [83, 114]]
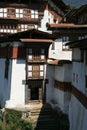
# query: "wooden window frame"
[[27, 13], [3, 12], [34, 13], [11, 12], [19, 13], [36, 71]]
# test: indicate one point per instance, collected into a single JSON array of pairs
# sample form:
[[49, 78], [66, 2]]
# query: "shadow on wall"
[[51, 120]]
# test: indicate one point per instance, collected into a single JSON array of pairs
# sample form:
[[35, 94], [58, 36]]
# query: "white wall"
[[79, 71], [50, 84], [17, 94], [63, 73], [77, 115], [77, 112], [57, 97], [44, 21], [58, 53]]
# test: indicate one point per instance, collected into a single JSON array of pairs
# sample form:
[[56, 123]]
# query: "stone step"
[[43, 118]]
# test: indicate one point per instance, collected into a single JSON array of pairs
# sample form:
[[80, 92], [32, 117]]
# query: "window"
[[64, 40], [35, 71], [41, 67], [73, 77], [31, 26], [8, 29], [53, 46], [42, 54], [82, 37], [34, 14], [76, 78], [41, 70], [30, 74], [3, 12], [6, 68], [24, 27], [19, 13], [30, 53], [29, 70]]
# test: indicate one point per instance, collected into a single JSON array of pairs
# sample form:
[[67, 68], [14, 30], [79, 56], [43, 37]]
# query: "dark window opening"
[[6, 68]]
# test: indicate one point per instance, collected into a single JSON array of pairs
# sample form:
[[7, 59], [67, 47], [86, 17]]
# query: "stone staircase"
[[43, 118]]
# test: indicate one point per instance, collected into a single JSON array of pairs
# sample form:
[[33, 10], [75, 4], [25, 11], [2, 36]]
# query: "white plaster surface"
[[58, 97], [17, 92], [77, 115], [58, 53]]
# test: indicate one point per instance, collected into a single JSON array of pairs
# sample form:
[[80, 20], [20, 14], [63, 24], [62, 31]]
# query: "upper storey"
[[20, 16], [17, 10], [16, 13]]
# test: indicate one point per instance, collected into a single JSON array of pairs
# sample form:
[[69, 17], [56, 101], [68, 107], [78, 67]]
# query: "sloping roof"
[[82, 9], [29, 34], [60, 4], [66, 25], [67, 29], [78, 44], [62, 25], [37, 40]]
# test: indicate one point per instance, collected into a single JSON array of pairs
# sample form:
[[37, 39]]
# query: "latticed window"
[[19, 13], [3, 12], [34, 14], [64, 40], [8, 29], [24, 27], [42, 54], [29, 52], [35, 71]]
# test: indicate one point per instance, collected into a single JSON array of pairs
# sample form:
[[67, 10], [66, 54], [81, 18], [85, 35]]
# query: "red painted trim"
[[13, 52]]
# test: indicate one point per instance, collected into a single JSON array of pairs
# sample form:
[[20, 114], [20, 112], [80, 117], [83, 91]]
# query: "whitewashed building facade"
[[78, 102]]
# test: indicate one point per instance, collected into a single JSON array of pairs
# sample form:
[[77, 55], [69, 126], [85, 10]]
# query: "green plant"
[[12, 121], [26, 125]]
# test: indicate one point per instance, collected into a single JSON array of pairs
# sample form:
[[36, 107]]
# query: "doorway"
[[35, 93]]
